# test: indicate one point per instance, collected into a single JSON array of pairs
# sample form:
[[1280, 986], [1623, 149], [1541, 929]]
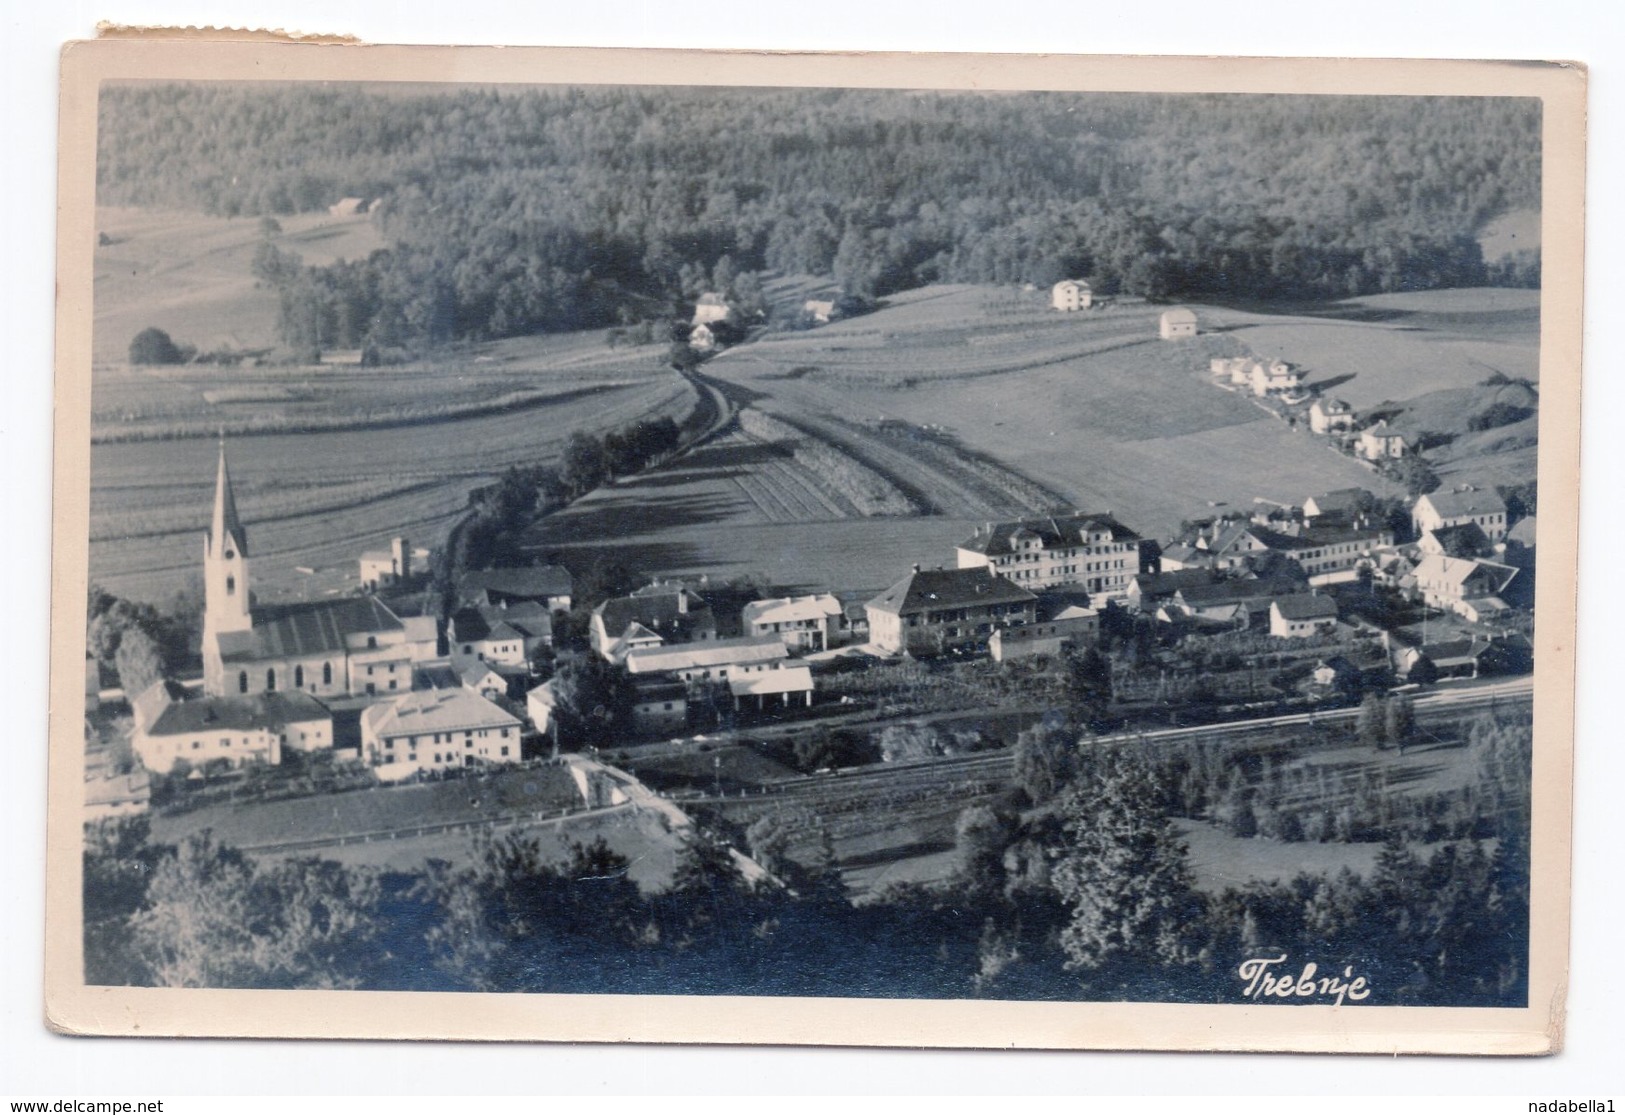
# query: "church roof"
[[283, 631], [225, 520]]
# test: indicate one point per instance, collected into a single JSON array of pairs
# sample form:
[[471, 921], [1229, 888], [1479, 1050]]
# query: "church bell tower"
[[225, 566]]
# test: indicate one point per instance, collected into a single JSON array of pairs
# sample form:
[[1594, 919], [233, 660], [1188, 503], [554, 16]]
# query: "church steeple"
[[225, 524], [225, 566]]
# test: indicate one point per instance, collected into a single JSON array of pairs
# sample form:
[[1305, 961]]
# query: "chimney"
[[916, 567]]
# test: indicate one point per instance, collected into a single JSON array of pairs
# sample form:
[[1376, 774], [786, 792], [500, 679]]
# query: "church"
[[348, 646]]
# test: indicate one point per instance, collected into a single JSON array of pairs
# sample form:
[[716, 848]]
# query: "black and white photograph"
[[1042, 547]]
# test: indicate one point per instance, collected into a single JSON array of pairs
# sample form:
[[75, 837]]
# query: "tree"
[[1399, 719], [1124, 875], [980, 838], [1045, 759], [1088, 684], [585, 465], [592, 701], [153, 346], [138, 662], [1370, 724]]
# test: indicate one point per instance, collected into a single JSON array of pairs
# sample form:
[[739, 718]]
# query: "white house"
[[803, 622], [169, 726], [1071, 294], [1381, 442], [500, 635], [438, 729], [381, 568], [819, 310], [1177, 323], [1331, 416], [1095, 552], [710, 307], [1274, 377], [1301, 615], [1479, 506], [701, 339], [1468, 587]]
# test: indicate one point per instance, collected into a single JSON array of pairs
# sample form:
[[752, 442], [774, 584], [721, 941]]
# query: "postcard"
[[912, 550]]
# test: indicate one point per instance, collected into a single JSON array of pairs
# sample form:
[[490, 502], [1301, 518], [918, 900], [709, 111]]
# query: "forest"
[[522, 210]]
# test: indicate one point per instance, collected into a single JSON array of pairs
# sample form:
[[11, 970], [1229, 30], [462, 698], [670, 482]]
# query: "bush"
[[153, 346]]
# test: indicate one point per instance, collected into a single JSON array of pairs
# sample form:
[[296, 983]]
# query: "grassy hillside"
[[188, 274]]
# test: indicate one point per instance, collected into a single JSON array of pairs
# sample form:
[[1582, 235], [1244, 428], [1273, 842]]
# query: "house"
[[1095, 552], [819, 310], [117, 795], [326, 648], [499, 635], [1301, 615], [437, 729], [382, 568], [1480, 506], [1149, 591], [710, 307], [933, 611], [1468, 587], [1331, 416], [715, 660], [1071, 294], [701, 339], [171, 725], [1343, 507], [803, 622], [1235, 602], [1049, 634], [1274, 377], [659, 706], [348, 207], [1324, 553], [1178, 323], [1181, 555], [783, 685], [1473, 657], [547, 585], [1381, 442], [477, 677], [1236, 369], [1463, 540], [656, 614]]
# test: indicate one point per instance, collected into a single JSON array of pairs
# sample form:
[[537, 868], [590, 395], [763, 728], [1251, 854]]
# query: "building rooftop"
[[1471, 501], [1052, 532], [308, 628], [791, 679], [1303, 605], [492, 586], [271, 711], [924, 590], [435, 710], [713, 652], [791, 609]]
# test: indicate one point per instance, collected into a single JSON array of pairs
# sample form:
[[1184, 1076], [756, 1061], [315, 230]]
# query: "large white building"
[[326, 648], [438, 729], [171, 726], [1071, 294], [1482, 507], [803, 622], [1095, 552]]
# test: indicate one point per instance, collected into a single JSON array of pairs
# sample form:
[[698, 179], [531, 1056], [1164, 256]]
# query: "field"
[[188, 274]]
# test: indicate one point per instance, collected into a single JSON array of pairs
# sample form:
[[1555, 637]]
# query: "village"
[[1345, 594]]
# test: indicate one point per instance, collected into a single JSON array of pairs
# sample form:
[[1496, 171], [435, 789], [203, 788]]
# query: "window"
[[270, 680], [298, 677], [231, 583], [392, 683], [327, 673], [467, 649], [225, 741], [242, 681], [372, 642], [504, 749]]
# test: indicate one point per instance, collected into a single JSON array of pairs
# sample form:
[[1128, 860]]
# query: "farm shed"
[[1178, 323]]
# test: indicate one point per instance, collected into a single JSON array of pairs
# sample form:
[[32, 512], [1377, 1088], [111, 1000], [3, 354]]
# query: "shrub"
[[153, 346]]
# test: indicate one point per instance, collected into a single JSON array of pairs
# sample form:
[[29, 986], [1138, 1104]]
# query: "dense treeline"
[[514, 211], [1085, 894]]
